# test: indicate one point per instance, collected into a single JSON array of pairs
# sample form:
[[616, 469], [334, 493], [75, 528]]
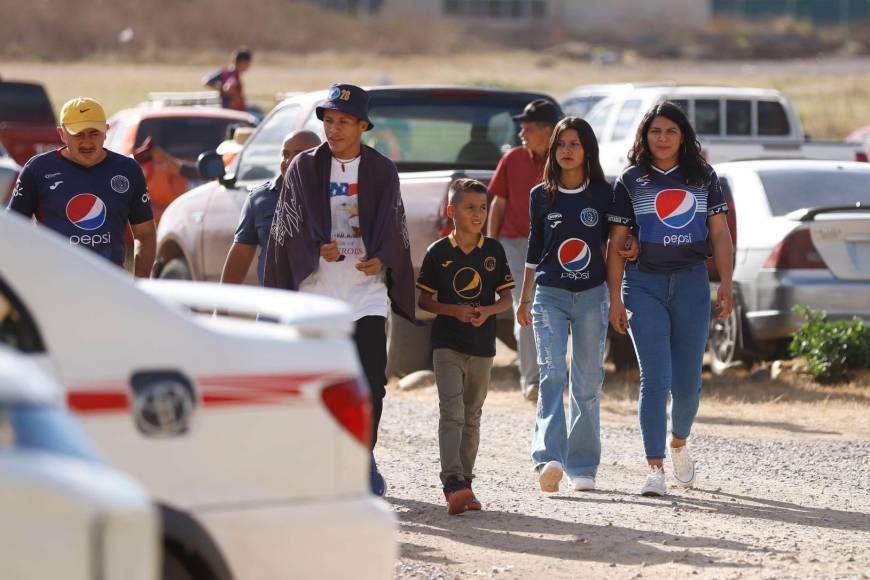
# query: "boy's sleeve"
[[427, 281], [534, 255], [504, 279], [246, 233], [620, 211], [140, 201], [25, 196], [715, 198]]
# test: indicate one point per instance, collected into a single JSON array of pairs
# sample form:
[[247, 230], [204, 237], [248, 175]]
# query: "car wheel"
[[723, 345], [504, 331], [174, 567], [176, 269], [409, 347], [621, 351]]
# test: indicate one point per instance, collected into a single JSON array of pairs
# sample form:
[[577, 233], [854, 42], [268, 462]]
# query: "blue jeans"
[[576, 446], [669, 321]]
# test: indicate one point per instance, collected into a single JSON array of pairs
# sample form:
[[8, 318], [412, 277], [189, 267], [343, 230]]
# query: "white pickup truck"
[[731, 123]]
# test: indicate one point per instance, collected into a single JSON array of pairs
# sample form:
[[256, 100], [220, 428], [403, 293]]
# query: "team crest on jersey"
[[489, 264], [467, 283], [589, 217], [120, 184]]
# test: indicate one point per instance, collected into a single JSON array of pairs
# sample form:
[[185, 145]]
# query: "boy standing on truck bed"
[[460, 277]]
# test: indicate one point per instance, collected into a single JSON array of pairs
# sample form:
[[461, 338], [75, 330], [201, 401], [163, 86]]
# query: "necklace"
[[345, 162]]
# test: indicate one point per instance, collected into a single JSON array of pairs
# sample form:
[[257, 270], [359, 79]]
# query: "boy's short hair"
[[462, 185]]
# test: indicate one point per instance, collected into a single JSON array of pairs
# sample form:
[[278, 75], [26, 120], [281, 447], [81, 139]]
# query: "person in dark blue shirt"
[[672, 195], [258, 209], [87, 193], [565, 259]]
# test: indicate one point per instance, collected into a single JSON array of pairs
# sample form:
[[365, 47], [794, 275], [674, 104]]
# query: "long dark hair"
[[692, 164], [592, 165]]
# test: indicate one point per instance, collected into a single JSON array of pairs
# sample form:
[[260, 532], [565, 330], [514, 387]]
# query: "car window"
[[625, 119], [261, 157], [44, 429], [707, 116], [772, 119], [682, 104], [17, 329], [598, 117], [25, 102], [790, 190], [185, 137], [7, 181], [579, 106], [117, 133], [444, 130], [738, 117]]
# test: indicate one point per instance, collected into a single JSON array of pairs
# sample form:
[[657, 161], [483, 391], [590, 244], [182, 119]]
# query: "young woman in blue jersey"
[[672, 195], [565, 259]]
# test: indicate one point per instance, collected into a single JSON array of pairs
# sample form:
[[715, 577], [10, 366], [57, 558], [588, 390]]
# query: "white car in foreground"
[[251, 436], [65, 513]]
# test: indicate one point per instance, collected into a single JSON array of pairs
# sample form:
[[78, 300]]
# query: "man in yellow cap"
[[88, 193]]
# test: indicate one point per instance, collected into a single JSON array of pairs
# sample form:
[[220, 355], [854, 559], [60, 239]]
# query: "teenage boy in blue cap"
[[339, 231]]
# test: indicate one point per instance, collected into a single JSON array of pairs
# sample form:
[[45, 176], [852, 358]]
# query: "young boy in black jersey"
[[460, 278]]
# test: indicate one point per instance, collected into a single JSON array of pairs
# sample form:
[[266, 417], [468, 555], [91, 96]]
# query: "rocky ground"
[[783, 490]]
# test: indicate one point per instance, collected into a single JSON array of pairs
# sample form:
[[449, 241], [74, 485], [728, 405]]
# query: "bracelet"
[[525, 301]]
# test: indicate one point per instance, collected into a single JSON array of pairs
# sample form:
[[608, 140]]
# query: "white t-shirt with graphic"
[[367, 295]]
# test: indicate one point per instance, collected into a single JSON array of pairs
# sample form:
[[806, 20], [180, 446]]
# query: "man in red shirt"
[[517, 173]]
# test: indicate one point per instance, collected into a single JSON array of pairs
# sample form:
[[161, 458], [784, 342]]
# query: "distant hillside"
[[196, 31]]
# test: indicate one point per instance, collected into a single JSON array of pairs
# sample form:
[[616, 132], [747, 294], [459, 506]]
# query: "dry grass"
[[832, 96]]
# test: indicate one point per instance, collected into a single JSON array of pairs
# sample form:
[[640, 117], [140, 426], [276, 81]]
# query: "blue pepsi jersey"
[[89, 205], [566, 238], [670, 214]]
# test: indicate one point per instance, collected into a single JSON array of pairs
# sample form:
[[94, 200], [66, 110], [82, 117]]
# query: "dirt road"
[[783, 490]]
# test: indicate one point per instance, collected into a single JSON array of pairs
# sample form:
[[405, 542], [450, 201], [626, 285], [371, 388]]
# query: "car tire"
[[621, 351], [725, 345], [504, 331], [409, 347], [174, 567], [176, 269]]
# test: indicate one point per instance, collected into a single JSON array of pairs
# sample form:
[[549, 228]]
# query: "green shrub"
[[830, 348]]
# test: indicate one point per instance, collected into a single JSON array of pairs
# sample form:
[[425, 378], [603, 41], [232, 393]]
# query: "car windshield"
[[24, 102], [579, 106], [461, 131], [185, 137], [790, 190], [45, 429], [420, 130]]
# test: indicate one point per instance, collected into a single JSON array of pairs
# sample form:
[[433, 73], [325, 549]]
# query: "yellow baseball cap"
[[82, 113]]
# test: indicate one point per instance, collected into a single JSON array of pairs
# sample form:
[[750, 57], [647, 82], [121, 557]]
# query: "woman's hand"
[[524, 314], [631, 250], [618, 316]]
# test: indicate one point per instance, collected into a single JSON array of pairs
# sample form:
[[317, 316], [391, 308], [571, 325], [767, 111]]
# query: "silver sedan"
[[803, 237]]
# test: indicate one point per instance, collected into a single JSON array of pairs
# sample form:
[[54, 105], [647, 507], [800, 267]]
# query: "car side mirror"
[[210, 165]]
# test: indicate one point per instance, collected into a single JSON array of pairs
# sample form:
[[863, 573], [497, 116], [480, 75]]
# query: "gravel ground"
[[774, 499]]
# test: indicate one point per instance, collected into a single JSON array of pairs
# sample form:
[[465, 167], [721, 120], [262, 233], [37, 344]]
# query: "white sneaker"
[[550, 476], [684, 467], [583, 483], [655, 483]]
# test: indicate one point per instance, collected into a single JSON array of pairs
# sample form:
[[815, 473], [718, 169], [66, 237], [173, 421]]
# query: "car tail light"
[[861, 156], [795, 251], [348, 401], [445, 224]]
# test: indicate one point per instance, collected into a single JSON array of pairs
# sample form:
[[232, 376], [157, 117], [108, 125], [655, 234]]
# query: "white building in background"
[[572, 15]]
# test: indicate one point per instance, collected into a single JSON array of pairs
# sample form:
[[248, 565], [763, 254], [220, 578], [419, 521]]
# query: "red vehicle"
[[27, 122], [182, 131]]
